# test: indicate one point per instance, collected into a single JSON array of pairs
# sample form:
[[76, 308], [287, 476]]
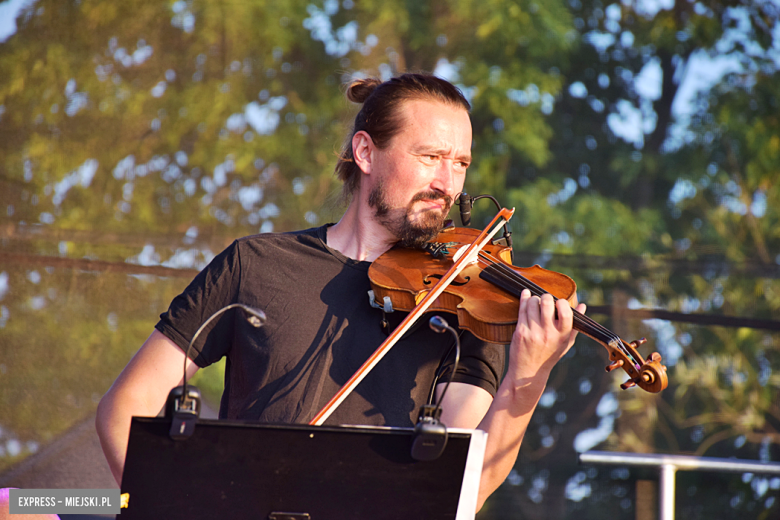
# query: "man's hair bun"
[[359, 90]]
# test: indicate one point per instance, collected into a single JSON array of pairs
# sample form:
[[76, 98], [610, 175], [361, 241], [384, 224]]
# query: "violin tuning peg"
[[615, 364], [628, 384], [655, 356], [638, 342]]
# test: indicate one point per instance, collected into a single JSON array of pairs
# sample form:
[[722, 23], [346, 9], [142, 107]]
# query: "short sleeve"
[[481, 364], [212, 289]]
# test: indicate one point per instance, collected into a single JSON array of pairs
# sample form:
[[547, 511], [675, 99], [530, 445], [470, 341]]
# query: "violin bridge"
[[460, 252]]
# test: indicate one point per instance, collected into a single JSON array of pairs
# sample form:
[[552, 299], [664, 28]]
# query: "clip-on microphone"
[[430, 435], [466, 202], [183, 404]]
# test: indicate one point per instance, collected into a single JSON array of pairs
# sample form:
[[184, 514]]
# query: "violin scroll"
[[649, 374], [653, 374]]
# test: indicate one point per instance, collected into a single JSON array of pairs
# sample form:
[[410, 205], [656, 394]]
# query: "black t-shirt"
[[320, 330]]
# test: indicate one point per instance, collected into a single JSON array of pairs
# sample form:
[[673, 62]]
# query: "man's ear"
[[362, 150]]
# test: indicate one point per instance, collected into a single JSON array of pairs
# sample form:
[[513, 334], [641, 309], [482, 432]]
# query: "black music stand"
[[239, 470]]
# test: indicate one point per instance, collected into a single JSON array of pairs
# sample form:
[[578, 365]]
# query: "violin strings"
[[586, 324], [518, 282]]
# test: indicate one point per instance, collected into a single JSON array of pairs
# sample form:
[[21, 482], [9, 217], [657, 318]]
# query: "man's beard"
[[398, 221]]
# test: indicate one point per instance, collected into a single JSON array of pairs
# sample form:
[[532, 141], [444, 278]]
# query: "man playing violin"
[[402, 166]]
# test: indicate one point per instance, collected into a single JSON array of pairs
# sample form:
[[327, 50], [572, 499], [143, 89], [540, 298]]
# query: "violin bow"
[[465, 258]]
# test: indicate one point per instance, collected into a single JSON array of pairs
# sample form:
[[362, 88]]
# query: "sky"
[[9, 11]]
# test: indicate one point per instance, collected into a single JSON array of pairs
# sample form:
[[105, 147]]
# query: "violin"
[[485, 296], [463, 273]]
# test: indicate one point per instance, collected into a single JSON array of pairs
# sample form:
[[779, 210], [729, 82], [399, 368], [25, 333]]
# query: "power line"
[[709, 320], [84, 264], [709, 263]]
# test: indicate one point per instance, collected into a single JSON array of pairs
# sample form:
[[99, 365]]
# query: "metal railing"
[[668, 465]]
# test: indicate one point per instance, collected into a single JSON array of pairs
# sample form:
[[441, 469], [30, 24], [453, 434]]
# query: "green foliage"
[[156, 132], [65, 337]]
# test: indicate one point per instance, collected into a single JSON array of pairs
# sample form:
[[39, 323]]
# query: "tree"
[[154, 133]]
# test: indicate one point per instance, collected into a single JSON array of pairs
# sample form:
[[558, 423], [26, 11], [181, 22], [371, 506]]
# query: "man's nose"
[[444, 180]]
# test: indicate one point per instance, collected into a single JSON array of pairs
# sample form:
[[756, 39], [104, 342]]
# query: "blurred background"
[[638, 140]]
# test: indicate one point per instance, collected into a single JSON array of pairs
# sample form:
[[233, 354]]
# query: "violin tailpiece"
[[439, 249]]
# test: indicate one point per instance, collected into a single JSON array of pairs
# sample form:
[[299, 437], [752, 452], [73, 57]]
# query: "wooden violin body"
[[489, 314], [485, 297]]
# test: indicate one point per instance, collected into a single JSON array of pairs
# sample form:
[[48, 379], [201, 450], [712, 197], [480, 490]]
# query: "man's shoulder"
[[306, 239], [302, 235]]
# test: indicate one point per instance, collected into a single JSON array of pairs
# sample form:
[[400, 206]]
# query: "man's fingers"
[[564, 318], [528, 310], [547, 307], [523, 308], [533, 311]]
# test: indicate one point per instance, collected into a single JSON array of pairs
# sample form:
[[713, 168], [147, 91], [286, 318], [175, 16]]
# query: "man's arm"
[[141, 390], [539, 341]]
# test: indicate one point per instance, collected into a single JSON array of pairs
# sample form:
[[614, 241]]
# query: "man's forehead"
[[417, 106], [443, 120]]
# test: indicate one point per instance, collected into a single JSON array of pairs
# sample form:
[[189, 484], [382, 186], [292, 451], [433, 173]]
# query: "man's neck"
[[358, 235]]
